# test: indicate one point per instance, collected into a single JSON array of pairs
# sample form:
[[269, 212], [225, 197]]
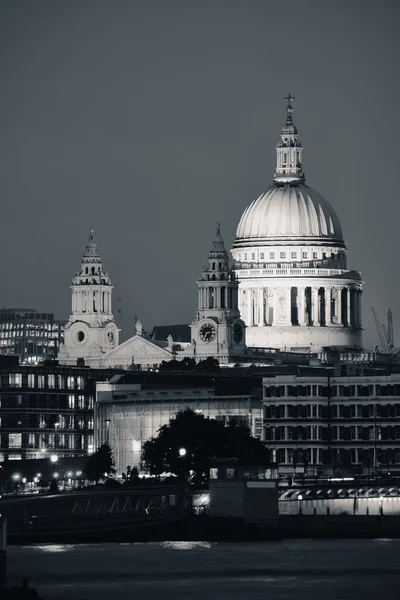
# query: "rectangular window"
[[81, 402], [19, 399], [51, 381], [31, 440], [31, 380], [15, 440], [253, 256], [305, 255], [293, 255], [15, 379], [261, 255], [40, 381], [272, 255], [282, 254], [71, 401], [245, 256], [70, 383]]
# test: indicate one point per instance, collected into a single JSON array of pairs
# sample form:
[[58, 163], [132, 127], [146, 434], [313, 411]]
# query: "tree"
[[184, 446], [100, 464], [209, 364]]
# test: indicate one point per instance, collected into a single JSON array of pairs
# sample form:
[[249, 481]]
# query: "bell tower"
[[90, 331], [218, 330]]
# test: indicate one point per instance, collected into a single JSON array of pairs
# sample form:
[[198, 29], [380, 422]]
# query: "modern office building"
[[130, 408], [30, 335], [342, 420], [46, 409]]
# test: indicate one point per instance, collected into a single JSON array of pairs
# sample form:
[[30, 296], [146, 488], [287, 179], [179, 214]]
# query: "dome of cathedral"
[[289, 210]]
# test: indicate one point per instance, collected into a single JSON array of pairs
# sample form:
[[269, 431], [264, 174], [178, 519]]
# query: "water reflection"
[[185, 545]]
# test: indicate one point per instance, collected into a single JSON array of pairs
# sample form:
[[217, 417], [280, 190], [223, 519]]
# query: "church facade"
[[91, 334], [289, 288], [296, 292]]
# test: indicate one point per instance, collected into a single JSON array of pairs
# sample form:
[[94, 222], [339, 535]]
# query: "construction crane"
[[390, 329], [385, 332]]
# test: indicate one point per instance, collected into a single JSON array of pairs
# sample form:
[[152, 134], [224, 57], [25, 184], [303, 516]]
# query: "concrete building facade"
[[344, 420]]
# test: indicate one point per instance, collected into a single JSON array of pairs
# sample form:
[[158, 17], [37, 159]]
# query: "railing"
[[291, 272]]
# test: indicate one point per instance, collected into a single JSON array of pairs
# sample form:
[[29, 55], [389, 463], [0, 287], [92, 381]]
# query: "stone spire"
[[289, 151]]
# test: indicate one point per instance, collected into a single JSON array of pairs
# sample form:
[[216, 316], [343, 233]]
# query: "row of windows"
[[34, 326], [293, 255], [42, 421], [50, 381], [79, 402], [334, 411], [333, 391], [337, 433], [338, 456], [46, 441]]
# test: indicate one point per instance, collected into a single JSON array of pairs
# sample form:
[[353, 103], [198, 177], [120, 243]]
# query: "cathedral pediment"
[[138, 347]]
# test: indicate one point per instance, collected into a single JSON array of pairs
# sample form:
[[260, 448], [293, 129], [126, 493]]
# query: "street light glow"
[[182, 451], [54, 458]]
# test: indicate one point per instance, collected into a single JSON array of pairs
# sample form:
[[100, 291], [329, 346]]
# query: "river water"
[[279, 570]]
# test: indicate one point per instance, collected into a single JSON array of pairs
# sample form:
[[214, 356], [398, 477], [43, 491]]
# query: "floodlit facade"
[[127, 414], [216, 331], [296, 292], [90, 331], [341, 421]]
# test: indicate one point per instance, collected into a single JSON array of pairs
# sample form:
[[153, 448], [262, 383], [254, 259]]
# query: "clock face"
[[237, 333], [80, 336], [207, 332]]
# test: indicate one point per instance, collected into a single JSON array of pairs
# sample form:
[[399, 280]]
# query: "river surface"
[[279, 570]]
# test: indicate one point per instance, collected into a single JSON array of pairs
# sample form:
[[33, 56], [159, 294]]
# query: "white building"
[[90, 331], [295, 291], [290, 285], [216, 331]]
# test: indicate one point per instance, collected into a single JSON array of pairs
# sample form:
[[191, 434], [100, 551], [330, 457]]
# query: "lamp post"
[[300, 497], [381, 505]]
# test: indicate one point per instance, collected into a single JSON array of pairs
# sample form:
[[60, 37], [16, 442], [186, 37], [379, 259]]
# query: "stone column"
[[261, 317], [249, 307], [339, 306], [315, 306], [348, 307], [359, 306], [328, 306]]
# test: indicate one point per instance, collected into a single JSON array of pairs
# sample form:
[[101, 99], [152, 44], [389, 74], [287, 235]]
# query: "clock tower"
[[90, 331], [218, 330]]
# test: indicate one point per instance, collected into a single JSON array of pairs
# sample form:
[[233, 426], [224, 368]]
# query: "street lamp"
[[54, 458], [182, 451], [381, 505], [300, 497]]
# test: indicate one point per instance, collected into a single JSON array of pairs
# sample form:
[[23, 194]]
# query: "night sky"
[[151, 120]]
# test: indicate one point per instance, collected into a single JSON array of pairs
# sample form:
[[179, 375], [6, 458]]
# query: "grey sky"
[[151, 120]]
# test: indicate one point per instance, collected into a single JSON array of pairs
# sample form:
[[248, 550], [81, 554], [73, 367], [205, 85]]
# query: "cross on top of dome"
[[289, 108]]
